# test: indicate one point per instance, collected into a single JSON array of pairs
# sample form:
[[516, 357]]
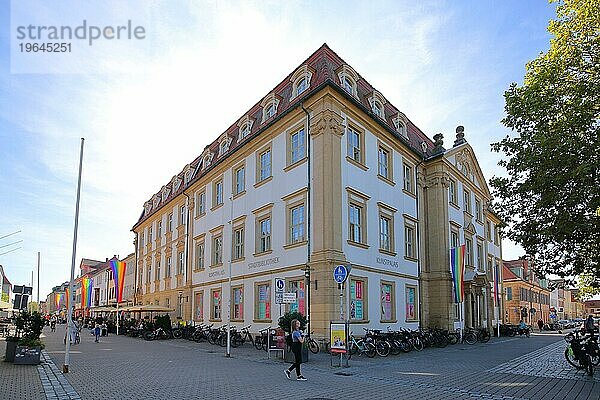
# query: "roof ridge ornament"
[[460, 136]]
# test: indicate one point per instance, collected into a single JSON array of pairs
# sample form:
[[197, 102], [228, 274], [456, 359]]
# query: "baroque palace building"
[[322, 171]]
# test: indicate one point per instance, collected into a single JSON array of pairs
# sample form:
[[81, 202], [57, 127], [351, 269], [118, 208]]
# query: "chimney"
[[460, 136]]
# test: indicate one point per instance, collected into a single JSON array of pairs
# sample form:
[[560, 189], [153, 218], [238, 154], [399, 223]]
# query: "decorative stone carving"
[[327, 120], [438, 179], [463, 163], [438, 143]]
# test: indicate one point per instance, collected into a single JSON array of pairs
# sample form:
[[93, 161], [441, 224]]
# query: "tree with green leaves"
[[551, 195]]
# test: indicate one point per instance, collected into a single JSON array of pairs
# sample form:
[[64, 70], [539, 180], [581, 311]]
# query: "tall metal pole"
[[38, 281], [71, 294]]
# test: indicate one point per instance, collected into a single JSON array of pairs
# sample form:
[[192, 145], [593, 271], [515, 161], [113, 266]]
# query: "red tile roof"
[[507, 274], [324, 62]]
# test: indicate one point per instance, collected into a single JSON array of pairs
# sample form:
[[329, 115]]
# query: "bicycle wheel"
[[370, 350], [589, 365], [405, 346], [149, 335], [418, 344], [485, 336], [177, 333], [236, 340], [470, 338], [571, 359], [394, 347], [382, 348], [453, 338], [313, 346], [353, 349]]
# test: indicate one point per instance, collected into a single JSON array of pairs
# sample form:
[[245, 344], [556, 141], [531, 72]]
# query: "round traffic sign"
[[279, 284], [340, 273]]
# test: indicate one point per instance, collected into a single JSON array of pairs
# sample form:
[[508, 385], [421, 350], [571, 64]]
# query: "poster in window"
[[386, 302], [199, 313], [410, 303]]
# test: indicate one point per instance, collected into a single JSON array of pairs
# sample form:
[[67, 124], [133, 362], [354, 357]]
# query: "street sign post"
[[340, 273], [289, 297], [279, 288]]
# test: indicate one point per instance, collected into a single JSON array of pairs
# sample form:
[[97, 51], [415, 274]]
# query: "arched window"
[[301, 80], [348, 84], [245, 127], [301, 87], [270, 111], [269, 105], [348, 79], [378, 108], [400, 123]]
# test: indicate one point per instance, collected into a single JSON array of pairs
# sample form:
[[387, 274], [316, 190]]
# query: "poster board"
[[338, 336]]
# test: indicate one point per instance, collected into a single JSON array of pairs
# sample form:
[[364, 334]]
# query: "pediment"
[[464, 161]]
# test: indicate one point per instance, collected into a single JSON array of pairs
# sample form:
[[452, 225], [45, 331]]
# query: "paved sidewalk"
[[19, 382]]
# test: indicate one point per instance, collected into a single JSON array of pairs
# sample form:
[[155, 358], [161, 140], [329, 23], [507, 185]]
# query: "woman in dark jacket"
[[297, 340]]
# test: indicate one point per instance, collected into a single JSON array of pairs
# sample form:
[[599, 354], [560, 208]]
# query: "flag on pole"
[[89, 292], [496, 283], [67, 298], [86, 292], [57, 297], [118, 269], [457, 269]]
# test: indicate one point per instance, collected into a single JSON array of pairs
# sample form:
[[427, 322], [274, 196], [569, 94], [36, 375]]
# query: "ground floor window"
[[411, 303], [387, 301], [298, 287], [215, 309], [263, 301], [358, 306], [238, 303], [199, 306]]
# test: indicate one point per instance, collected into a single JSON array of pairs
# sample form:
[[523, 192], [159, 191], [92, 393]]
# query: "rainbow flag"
[[118, 269], [67, 298], [86, 292], [457, 269], [496, 283], [57, 297]]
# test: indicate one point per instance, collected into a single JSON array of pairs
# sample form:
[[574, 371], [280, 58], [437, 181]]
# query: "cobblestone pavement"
[[548, 362], [128, 368], [18, 382]]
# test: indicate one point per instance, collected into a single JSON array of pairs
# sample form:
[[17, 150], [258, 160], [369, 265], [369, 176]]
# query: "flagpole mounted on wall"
[[70, 294]]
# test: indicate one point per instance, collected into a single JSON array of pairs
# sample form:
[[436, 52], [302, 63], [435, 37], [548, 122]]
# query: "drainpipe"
[[419, 245], [308, 211], [186, 251]]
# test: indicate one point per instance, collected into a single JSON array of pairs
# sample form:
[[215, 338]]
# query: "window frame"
[[200, 203], [392, 302], [388, 213], [365, 300], [216, 252], [453, 192], [259, 178], [469, 256], [213, 314], [268, 302], [236, 189], [261, 214], [389, 176], [235, 245], [408, 185], [467, 201], [199, 295], [218, 202], [357, 200], [354, 150], [407, 287], [410, 227], [199, 254], [241, 317]]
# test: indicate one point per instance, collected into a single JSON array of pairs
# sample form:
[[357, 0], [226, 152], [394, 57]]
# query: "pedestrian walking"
[[540, 324], [97, 332], [297, 341]]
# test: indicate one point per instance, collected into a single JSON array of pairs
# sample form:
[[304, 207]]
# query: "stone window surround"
[[388, 212], [382, 282], [360, 200]]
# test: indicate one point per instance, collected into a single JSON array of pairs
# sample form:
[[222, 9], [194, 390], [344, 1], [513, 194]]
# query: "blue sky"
[[146, 114]]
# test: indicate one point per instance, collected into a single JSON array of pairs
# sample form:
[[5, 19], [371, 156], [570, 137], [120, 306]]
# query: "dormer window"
[[245, 127], [377, 102], [269, 105], [224, 145], [207, 159], [301, 80], [348, 79], [400, 123], [302, 86], [378, 109]]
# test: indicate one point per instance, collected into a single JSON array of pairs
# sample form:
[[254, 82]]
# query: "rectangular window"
[[385, 233], [357, 300], [383, 163], [298, 287], [263, 301], [469, 252], [297, 146], [170, 223], [411, 303], [201, 204], [238, 243], [159, 229], [265, 165], [509, 293], [408, 178], [354, 150], [215, 305], [297, 224], [148, 273], [355, 216], [237, 305], [218, 193], [199, 306], [467, 201], [240, 181], [182, 215], [478, 210], [168, 271], [452, 194], [453, 239], [488, 230], [496, 235], [150, 234], [409, 242], [217, 250], [387, 302], [480, 265], [265, 235], [157, 274], [200, 255], [180, 263]]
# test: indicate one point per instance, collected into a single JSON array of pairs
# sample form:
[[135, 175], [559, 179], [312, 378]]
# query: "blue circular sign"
[[340, 273]]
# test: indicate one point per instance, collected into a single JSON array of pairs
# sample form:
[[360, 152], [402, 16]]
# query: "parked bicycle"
[[360, 346], [582, 352]]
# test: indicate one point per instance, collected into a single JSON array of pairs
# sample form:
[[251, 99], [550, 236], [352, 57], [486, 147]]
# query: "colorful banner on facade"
[[457, 269], [57, 297], [67, 298], [86, 292], [118, 269], [496, 283]]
